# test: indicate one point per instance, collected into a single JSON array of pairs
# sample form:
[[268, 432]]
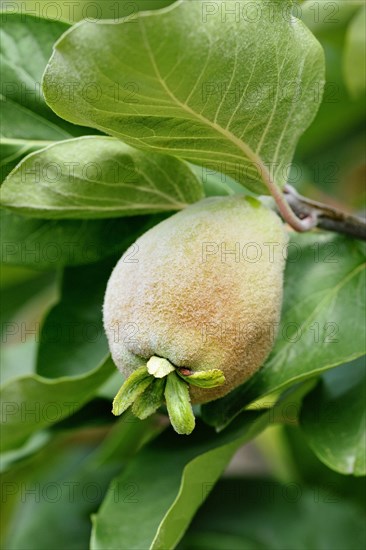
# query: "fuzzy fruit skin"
[[188, 299]]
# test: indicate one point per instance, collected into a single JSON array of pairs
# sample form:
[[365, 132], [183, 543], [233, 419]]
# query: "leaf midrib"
[[24, 141], [241, 145]]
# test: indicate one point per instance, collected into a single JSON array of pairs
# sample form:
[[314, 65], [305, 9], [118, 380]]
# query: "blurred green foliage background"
[[310, 506]]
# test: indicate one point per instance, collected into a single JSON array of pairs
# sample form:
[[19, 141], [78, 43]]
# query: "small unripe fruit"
[[202, 294]]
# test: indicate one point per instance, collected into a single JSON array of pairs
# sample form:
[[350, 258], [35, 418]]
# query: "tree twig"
[[327, 217]]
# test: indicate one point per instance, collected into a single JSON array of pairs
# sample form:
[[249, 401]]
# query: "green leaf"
[[132, 388], [19, 287], [35, 133], [53, 470], [26, 44], [333, 418], [168, 482], [49, 244], [84, 9], [323, 303], [263, 514], [31, 403], [354, 61], [217, 184], [313, 472], [98, 177], [11, 459], [179, 404], [17, 360], [27, 123], [72, 339], [150, 400], [218, 89], [70, 477]]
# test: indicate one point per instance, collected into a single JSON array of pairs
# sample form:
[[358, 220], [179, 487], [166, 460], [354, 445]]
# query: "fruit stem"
[[310, 219]]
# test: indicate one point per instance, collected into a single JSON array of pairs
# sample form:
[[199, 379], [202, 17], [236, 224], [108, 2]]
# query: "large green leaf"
[[49, 244], [165, 484], [333, 418], [26, 44], [72, 340], [98, 177], [19, 287], [71, 476], [17, 360], [218, 184], [263, 514], [31, 402], [85, 9], [34, 131], [313, 472], [322, 320], [212, 83], [12, 458], [27, 123]]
